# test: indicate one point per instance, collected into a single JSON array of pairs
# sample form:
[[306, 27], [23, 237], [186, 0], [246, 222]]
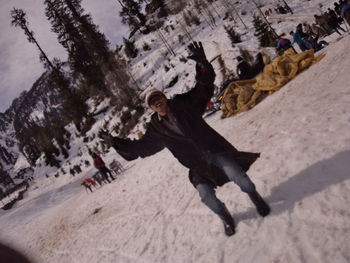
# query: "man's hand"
[[204, 70], [106, 137], [197, 52]]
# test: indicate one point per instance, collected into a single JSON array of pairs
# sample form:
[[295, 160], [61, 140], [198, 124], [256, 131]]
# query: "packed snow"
[[152, 213]]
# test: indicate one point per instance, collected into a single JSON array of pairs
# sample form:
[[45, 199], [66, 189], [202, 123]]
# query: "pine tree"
[[245, 54], [146, 47], [186, 18], [194, 19], [88, 51], [27, 144], [80, 56], [163, 12], [79, 107], [94, 39], [45, 143], [202, 8], [19, 19], [104, 57], [5, 179], [131, 14], [263, 32], [234, 37], [74, 108], [129, 48]]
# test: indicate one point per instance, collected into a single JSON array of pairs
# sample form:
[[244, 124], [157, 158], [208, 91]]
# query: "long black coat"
[[198, 142]]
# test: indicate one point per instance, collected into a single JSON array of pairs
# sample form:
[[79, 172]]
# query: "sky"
[[19, 60]]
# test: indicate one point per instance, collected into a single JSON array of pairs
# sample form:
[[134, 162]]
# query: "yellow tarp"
[[242, 95]]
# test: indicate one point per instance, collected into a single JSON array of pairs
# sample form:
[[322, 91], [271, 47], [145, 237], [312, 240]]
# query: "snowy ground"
[[151, 213]]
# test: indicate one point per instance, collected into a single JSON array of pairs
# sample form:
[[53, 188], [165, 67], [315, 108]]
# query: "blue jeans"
[[234, 173]]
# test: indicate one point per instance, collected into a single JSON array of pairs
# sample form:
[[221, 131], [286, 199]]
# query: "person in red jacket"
[[101, 167]]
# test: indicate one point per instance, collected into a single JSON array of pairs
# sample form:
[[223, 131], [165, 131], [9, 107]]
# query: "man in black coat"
[[177, 124]]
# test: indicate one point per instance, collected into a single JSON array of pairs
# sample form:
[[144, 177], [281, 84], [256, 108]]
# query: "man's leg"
[[209, 198], [236, 174]]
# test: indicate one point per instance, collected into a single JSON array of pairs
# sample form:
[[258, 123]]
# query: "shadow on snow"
[[308, 182]]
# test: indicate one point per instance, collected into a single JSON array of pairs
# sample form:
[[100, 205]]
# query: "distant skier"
[[177, 124], [101, 166]]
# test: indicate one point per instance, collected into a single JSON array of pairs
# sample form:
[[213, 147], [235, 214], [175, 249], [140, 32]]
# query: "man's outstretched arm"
[[200, 95], [132, 149]]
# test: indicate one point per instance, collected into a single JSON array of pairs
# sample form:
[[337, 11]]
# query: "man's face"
[[160, 105]]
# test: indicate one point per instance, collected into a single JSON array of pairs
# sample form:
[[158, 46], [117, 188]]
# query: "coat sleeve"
[[132, 149], [198, 97]]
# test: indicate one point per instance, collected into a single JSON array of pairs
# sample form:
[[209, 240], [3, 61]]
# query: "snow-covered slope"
[[151, 213]]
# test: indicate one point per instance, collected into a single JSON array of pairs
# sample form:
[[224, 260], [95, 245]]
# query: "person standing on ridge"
[[177, 124]]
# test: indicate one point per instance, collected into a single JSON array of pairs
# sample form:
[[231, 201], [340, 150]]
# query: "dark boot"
[[261, 206], [229, 223]]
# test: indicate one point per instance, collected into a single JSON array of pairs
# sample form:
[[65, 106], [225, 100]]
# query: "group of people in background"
[[103, 175], [308, 36]]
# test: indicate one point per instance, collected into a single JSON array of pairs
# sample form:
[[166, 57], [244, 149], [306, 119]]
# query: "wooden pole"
[[165, 42]]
